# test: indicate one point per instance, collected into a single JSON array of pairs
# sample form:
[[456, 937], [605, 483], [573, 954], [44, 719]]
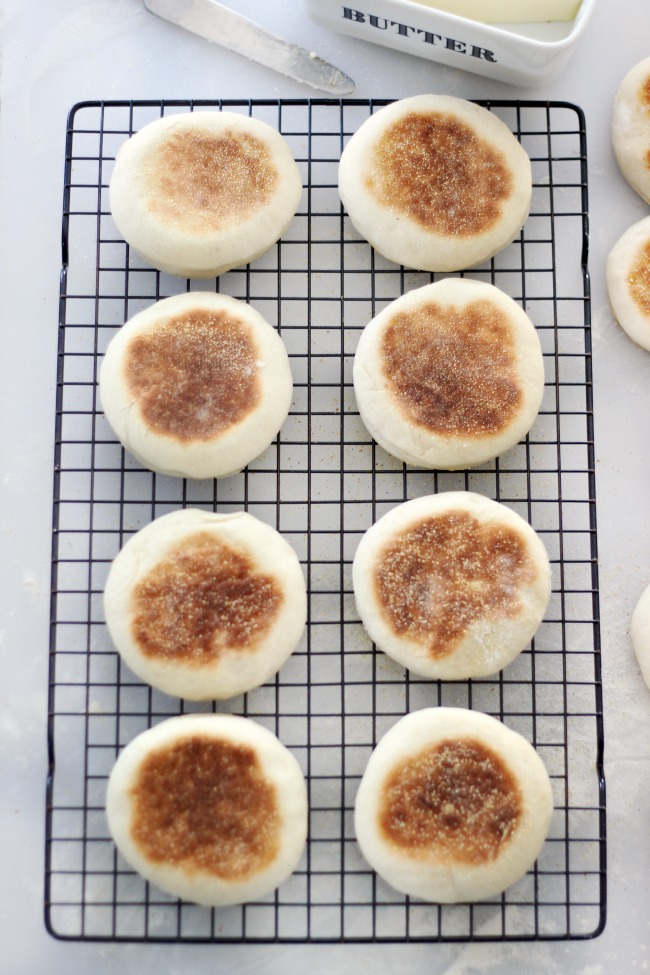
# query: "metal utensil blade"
[[231, 30]]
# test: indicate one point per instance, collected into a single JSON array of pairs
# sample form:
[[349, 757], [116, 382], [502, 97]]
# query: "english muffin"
[[453, 806], [198, 193], [631, 127], [628, 282], [205, 606], [451, 585], [449, 375], [436, 183], [211, 808], [197, 385], [641, 634]]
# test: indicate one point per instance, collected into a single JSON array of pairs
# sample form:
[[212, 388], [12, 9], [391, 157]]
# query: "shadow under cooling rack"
[[322, 483]]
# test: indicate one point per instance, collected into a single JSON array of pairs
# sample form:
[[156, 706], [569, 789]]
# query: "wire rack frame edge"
[[324, 464]]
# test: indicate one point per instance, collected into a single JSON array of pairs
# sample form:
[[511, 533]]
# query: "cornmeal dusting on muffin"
[[435, 169], [205, 805], [453, 369], [639, 280], [644, 94], [436, 579], [205, 183], [194, 376], [455, 801], [202, 598]]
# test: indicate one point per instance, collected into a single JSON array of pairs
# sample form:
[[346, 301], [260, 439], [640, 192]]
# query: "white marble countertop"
[[54, 55]]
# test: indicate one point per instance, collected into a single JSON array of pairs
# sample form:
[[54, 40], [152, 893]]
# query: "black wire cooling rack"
[[322, 483]]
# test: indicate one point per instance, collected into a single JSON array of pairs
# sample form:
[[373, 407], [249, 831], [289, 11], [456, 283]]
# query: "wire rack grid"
[[322, 483]]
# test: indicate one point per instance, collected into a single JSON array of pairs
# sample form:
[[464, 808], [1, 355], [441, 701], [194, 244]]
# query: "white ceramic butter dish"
[[521, 54]]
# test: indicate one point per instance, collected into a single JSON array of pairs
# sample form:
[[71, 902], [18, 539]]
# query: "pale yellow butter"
[[508, 11]]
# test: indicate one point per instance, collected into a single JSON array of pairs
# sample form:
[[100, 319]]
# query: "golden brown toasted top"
[[639, 279], [205, 805], [453, 370], [204, 597], [644, 94], [201, 182], [437, 170], [439, 577], [455, 801], [194, 376]]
